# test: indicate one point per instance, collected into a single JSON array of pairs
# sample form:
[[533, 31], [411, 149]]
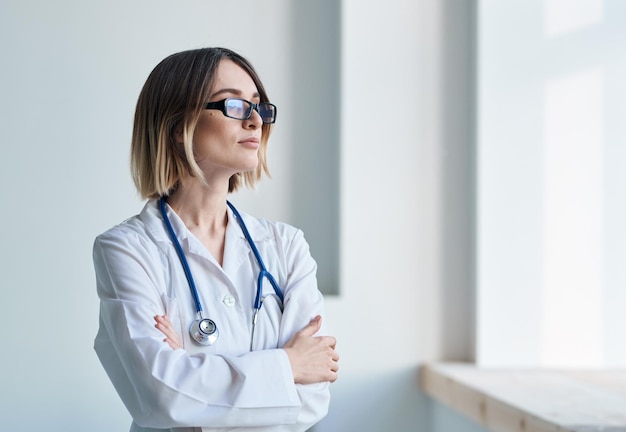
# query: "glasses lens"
[[267, 111], [237, 108]]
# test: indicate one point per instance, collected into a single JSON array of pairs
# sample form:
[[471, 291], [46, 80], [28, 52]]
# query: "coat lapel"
[[237, 250]]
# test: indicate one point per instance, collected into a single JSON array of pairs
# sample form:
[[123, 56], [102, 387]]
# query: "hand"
[[165, 326], [313, 358]]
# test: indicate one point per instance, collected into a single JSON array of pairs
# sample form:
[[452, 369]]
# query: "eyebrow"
[[232, 91]]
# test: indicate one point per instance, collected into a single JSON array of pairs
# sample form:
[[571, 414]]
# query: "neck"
[[202, 208]]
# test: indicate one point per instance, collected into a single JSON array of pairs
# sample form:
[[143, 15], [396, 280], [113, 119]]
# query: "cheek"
[[202, 146], [204, 135]]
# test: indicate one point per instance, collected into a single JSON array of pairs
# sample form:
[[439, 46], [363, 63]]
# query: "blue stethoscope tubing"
[[263, 273]]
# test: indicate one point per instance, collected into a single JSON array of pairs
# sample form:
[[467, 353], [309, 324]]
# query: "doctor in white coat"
[[201, 129]]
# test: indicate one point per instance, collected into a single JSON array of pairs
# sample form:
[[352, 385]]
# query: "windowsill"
[[531, 400]]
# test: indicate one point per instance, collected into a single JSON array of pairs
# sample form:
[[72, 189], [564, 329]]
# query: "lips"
[[252, 142]]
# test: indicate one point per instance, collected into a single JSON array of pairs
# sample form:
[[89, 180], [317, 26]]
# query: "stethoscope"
[[204, 330]]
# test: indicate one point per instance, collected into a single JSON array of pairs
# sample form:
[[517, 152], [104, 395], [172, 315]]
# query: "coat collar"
[[151, 217]]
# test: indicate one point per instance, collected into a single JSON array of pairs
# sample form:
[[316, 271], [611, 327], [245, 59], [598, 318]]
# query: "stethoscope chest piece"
[[204, 331]]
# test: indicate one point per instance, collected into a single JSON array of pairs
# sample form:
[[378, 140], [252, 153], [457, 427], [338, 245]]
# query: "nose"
[[255, 121]]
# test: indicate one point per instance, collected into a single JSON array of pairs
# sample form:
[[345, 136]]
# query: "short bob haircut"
[[171, 101]]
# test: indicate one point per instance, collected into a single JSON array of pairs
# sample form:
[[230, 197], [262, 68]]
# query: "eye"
[[236, 108]]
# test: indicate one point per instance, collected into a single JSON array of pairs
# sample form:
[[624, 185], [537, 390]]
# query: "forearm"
[[171, 389]]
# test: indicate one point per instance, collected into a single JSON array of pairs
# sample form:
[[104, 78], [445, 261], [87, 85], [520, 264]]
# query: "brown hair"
[[172, 99]]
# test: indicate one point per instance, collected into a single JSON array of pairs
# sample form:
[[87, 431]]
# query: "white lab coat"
[[198, 388]]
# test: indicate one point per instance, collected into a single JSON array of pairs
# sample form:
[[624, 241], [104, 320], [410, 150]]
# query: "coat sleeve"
[[165, 388], [303, 301]]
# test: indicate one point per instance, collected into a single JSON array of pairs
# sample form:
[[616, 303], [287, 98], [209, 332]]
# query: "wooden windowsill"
[[531, 400]]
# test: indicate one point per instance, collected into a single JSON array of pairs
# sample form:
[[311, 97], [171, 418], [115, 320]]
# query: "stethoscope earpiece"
[[204, 331]]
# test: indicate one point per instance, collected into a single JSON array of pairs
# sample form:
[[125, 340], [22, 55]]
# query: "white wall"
[[551, 175], [407, 195], [70, 77]]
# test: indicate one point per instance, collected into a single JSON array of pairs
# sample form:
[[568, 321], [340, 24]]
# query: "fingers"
[[333, 367], [330, 341], [333, 375], [312, 327], [164, 325], [313, 359], [329, 360]]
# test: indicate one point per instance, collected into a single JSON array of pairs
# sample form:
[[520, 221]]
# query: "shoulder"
[[280, 229], [280, 240], [262, 229], [137, 231]]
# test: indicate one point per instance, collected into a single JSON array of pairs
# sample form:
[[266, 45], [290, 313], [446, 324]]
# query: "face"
[[224, 146]]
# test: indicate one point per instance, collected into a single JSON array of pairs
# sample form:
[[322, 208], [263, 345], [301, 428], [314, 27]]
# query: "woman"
[[232, 358]]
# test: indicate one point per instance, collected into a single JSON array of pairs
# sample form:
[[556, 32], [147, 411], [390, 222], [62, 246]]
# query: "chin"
[[252, 165]]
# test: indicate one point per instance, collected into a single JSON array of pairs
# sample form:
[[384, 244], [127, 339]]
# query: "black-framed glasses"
[[241, 109]]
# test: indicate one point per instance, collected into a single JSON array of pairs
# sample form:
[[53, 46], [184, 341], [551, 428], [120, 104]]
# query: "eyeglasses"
[[241, 109]]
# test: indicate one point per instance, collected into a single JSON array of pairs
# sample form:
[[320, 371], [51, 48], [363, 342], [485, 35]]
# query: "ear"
[[178, 134]]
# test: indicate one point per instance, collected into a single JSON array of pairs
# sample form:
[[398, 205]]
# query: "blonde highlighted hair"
[[171, 102]]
